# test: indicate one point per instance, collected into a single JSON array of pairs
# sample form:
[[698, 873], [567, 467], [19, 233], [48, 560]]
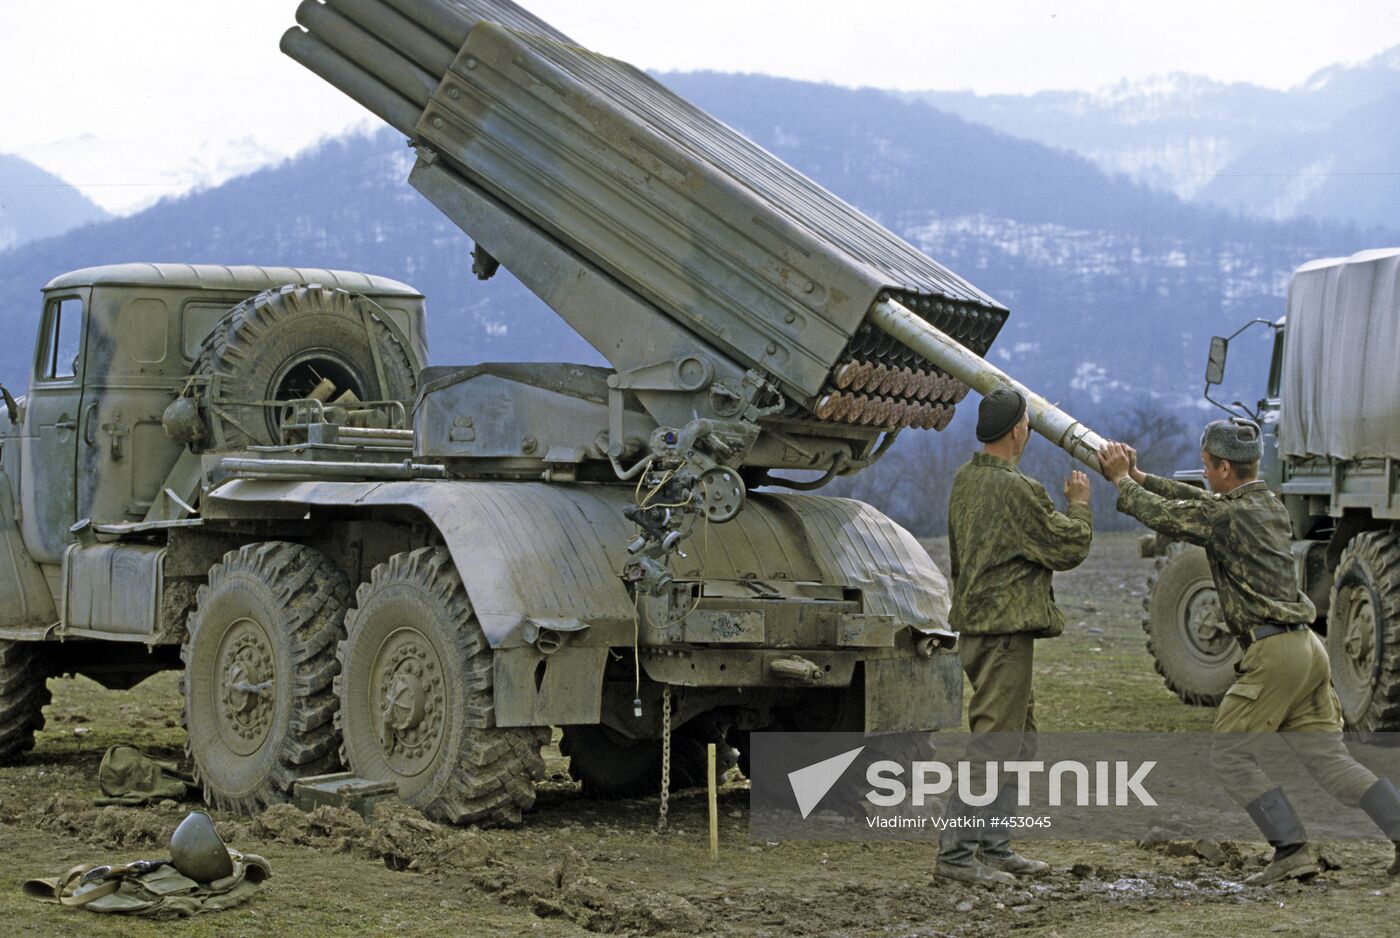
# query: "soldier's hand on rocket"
[[1117, 461], [1136, 474], [1077, 488]]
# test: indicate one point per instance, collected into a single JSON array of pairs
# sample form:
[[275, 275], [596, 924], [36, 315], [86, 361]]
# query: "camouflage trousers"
[[1285, 686]]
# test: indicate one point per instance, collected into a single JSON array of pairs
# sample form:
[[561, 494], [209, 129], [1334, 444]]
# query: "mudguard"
[[536, 556], [25, 600]]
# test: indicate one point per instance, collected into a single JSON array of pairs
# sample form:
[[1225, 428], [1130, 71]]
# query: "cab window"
[[63, 341]]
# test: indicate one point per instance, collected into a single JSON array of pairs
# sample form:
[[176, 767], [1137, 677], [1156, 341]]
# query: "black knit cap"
[[999, 413]]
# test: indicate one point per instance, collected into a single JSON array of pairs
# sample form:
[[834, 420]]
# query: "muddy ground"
[[588, 867]]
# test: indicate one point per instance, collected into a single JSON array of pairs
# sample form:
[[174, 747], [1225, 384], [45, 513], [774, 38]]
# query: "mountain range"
[[37, 204], [1328, 148], [1114, 287]]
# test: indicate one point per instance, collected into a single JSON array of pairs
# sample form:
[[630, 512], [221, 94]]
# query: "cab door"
[[53, 412]]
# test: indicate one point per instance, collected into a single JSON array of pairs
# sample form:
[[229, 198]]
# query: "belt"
[[1261, 632]]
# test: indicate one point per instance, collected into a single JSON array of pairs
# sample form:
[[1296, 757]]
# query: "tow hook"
[[795, 668]]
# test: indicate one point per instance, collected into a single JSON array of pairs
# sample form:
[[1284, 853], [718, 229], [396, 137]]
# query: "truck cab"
[[115, 345]]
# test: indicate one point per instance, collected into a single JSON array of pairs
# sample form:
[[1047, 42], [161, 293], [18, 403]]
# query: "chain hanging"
[[665, 757]]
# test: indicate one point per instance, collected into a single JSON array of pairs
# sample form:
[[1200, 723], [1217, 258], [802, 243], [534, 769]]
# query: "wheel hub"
[[1359, 640], [246, 673], [1205, 625], [411, 701], [406, 704]]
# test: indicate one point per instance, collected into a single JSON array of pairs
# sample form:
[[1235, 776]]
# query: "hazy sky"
[[134, 99]]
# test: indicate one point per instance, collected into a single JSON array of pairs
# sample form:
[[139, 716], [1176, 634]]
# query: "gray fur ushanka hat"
[[1236, 439]]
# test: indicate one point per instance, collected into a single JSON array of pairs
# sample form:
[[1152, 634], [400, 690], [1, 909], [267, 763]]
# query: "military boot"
[[1382, 805], [1275, 817], [996, 849], [957, 850]]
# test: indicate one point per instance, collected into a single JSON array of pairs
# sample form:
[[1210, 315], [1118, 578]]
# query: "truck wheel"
[[281, 343], [23, 693], [1186, 634], [1363, 632], [416, 703], [259, 663], [610, 765]]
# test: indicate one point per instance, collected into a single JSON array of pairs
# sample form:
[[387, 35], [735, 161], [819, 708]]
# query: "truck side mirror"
[[11, 405], [1215, 366]]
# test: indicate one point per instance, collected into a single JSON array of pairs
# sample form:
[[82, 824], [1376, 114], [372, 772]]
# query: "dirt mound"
[[1223, 853], [600, 909], [339, 830], [403, 839], [137, 713], [122, 827], [406, 840], [397, 834], [74, 816]]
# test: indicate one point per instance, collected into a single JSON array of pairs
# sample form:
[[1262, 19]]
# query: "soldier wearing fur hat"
[[1005, 540], [1284, 680]]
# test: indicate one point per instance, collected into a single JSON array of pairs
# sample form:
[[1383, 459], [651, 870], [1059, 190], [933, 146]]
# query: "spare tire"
[[281, 343]]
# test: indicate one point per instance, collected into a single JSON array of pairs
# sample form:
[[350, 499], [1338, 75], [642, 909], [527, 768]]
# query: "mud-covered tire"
[[1363, 632], [271, 347], [23, 694], [1186, 636], [416, 701], [259, 666], [607, 764]]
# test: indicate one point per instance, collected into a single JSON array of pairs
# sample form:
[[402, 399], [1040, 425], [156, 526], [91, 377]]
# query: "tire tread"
[[313, 594], [24, 693], [1377, 556], [492, 783]]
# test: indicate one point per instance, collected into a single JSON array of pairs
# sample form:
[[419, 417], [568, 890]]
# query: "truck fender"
[[25, 600], [536, 557]]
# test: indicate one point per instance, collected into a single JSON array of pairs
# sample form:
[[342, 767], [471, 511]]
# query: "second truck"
[[1331, 416]]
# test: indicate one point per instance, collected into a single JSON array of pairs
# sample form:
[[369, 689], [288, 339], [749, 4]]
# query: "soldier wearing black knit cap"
[[1005, 540]]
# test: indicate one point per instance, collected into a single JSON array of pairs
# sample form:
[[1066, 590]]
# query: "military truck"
[[415, 572], [1331, 416]]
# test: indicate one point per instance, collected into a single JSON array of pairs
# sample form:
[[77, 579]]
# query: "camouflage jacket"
[[1246, 535], [1005, 539]]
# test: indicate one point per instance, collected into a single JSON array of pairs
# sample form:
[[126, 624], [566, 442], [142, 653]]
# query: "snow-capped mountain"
[[1327, 148]]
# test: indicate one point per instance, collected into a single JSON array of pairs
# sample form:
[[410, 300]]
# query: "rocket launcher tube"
[[448, 24], [409, 39], [896, 320], [384, 102], [356, 45]]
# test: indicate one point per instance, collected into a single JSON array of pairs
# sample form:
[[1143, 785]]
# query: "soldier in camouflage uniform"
[[1284, 677], [1005, 539]]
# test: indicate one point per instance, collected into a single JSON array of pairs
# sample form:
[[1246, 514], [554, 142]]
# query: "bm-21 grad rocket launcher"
[[416, 573], [754, 321]]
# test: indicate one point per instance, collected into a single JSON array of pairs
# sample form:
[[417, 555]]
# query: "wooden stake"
[[714, 805]]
